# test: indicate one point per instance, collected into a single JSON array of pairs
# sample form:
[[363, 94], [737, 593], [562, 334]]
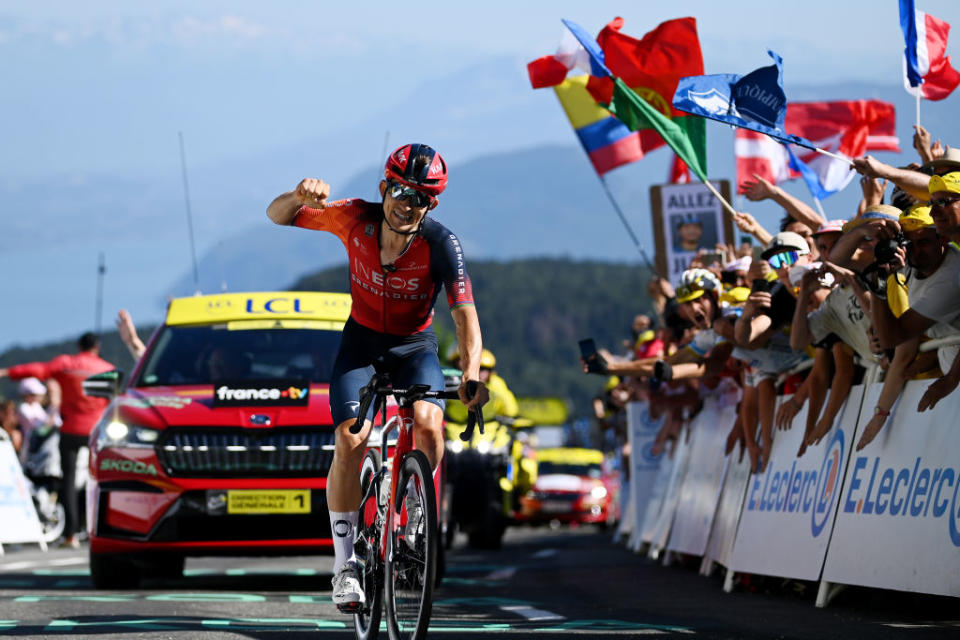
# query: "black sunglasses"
[[399, 191]]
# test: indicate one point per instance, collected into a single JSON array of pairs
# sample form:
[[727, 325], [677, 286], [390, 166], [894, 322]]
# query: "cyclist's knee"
[[428, 419], [350, 446]]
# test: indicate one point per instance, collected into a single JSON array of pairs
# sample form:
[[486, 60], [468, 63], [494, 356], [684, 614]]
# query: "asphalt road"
[[544, 584]]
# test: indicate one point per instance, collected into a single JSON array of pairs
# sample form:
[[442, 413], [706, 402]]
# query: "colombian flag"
[[607, 141]]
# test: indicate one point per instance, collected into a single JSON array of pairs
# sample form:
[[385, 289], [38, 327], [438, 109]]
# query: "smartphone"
[[588, 351], [587, 348], [761, 285]]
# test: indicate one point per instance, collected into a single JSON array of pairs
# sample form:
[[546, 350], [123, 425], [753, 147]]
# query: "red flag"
[[850, 128], [679, 171], [651, 66]]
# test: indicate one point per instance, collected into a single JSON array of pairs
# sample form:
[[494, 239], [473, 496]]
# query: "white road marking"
[[545, 553], [532, 614], [32, 564], [501, 574]]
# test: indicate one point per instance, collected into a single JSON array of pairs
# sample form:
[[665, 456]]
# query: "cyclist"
[[399, 258]]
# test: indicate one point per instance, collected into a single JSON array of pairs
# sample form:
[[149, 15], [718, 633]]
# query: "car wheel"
[[113, 571]]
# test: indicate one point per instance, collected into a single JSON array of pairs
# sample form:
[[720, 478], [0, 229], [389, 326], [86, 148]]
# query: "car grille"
[[218, 453]]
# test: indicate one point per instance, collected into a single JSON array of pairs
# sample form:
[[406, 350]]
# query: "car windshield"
[[570, 468], [212, 353]]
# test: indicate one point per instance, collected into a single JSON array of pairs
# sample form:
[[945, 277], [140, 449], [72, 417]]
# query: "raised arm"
[[311, 192], [913, 182], [759, 189]]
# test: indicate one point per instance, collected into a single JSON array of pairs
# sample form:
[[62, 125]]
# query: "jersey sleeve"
[[452, 271], [39, 370], [337, 217]]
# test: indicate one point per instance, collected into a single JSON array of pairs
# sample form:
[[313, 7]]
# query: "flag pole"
[[918, 108], [716, 194], [626, 224], [816, 200], [834, 155]]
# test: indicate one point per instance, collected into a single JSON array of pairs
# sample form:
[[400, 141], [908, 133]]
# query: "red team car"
[[221, 441]]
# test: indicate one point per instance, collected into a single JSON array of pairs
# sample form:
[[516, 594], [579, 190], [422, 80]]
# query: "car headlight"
[[455, 446], [598, 492], [113, 433]]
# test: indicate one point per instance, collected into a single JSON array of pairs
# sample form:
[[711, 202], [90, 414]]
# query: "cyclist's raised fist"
[[313, 192]]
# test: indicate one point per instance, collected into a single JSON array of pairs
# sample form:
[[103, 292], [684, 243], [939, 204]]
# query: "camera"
[[886, 250]]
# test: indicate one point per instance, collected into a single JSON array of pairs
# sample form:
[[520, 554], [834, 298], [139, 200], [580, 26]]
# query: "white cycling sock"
[[343, 525]]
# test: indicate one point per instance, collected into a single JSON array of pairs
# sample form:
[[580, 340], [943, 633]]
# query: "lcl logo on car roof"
[[259, 419]]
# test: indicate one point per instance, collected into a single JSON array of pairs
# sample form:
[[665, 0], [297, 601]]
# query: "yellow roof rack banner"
[[544, 410], [264, 305]]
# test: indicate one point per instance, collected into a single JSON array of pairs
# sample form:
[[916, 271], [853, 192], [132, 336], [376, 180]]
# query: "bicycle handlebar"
[[379, 386]]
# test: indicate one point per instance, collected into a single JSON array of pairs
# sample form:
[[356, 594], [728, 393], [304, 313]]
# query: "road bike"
[[397, 533]]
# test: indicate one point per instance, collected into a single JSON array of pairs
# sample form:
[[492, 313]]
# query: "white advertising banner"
[[657, 494], [735, 480], [664, 521], [703, 480], [17, 514], [898, 525], [789, 509], [642, 431]]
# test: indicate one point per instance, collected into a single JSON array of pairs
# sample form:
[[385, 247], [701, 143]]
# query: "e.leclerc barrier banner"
[[898, 525], [789, 509], [17, 514], [700, 491], [642, 431]]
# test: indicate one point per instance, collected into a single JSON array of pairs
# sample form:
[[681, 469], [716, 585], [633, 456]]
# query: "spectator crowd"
[[807, 311]]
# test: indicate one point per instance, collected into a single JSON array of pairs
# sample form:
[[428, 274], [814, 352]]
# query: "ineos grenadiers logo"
[[828, 483]]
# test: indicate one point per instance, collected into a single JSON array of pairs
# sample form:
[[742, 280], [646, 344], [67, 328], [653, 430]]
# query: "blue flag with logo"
[[755, 101]]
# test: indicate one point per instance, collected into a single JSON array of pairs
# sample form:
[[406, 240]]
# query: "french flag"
[[927, 69]]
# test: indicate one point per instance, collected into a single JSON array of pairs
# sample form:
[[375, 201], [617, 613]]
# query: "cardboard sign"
[[687, 218]]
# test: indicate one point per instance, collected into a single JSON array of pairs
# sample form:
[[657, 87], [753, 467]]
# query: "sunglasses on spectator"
[[400, 191], [943, 202], [785, 259]]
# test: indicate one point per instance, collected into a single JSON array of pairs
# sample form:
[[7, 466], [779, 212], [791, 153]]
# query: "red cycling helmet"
[[429, 177]]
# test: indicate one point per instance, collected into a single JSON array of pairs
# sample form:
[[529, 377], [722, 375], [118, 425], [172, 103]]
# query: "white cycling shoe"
[[347, 592]]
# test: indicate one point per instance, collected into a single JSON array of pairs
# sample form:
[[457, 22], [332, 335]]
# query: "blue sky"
[[95, 92]]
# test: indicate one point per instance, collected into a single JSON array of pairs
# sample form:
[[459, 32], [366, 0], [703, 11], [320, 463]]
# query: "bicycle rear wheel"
[[411, 565], [366, 623]]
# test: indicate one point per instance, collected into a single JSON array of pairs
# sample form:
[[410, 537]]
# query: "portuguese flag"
[[652, 67]]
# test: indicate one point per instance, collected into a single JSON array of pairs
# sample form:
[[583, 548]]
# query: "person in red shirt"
[[79, 412]]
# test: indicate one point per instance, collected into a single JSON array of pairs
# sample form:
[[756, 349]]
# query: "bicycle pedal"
[[350, 607]]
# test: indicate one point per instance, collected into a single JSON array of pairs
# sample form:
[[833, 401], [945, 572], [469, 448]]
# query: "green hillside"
[[534, 311]]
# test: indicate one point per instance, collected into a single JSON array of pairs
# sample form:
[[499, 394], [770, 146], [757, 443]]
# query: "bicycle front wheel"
[[366, 622], [412, 551]]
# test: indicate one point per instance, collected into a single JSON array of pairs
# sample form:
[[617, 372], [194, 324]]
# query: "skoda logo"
[[828, 482]]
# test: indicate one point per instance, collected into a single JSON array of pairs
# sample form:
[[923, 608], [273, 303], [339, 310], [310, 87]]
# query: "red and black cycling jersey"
[[400, 300]]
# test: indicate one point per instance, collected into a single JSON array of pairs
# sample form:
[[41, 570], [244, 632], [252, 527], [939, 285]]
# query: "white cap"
[[31, 387]]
